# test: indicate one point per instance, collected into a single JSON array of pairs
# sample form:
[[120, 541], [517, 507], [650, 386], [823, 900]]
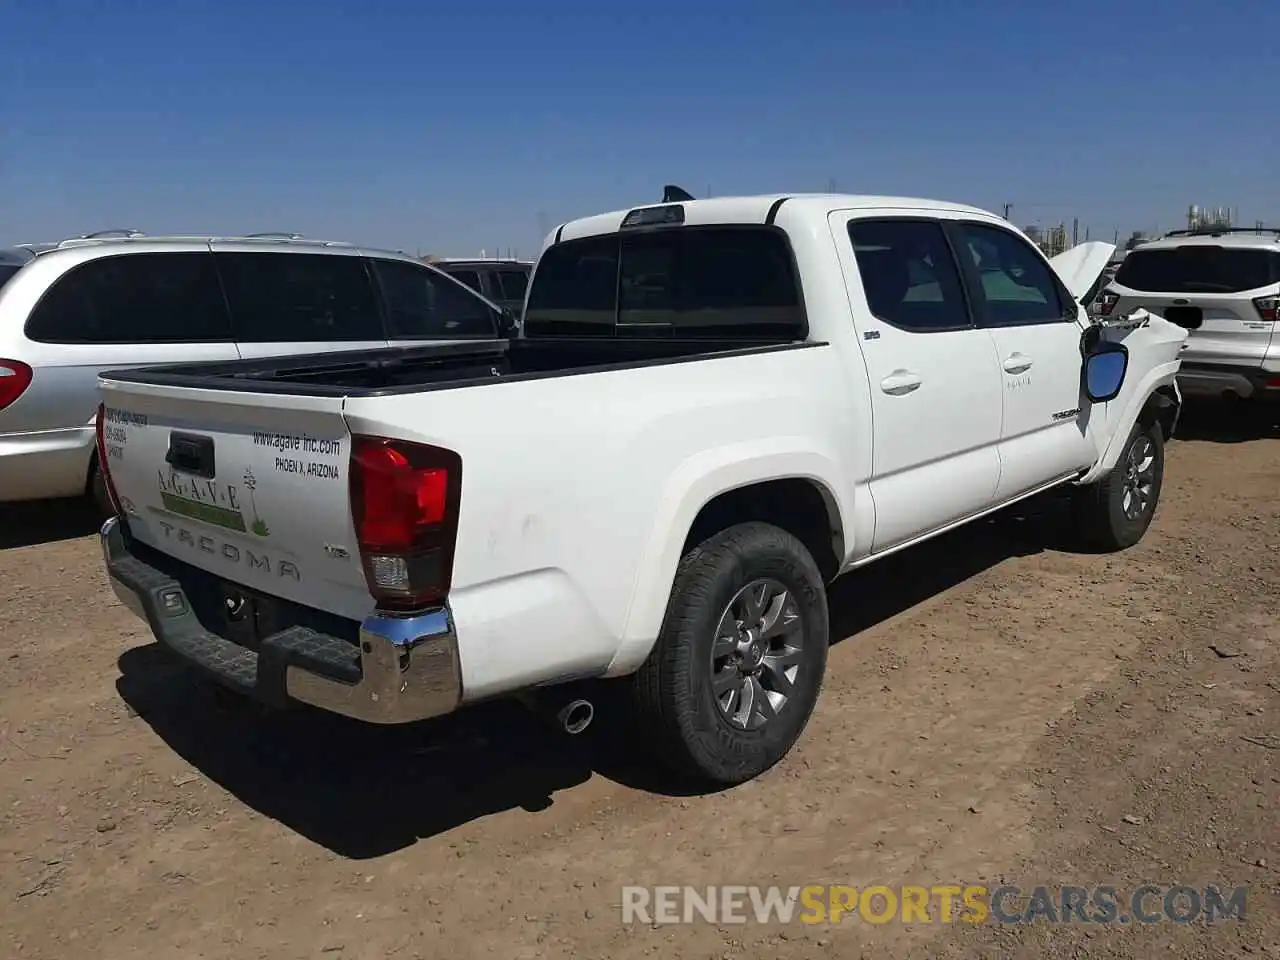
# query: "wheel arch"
[[790, 489]]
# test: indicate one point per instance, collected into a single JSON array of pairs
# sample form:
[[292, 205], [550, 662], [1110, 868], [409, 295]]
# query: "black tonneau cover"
[[383, 371]]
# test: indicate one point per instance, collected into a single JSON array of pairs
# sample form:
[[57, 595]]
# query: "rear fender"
[[698, 481]]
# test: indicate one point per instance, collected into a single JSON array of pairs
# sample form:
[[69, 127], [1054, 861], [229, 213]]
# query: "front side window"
[[422, 303], [909, 274], [299, 297], [134, 298], [727, 282], [470, 278], [1016, 285]]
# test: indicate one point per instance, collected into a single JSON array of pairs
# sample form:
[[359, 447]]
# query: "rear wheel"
[[737, 668], [1115, 512], [98, 494]]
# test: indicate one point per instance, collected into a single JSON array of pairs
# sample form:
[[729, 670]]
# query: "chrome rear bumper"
[[405, 668]]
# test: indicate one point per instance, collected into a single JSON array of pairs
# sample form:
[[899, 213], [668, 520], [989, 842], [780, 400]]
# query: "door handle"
[[1017, 363], [900, 382]]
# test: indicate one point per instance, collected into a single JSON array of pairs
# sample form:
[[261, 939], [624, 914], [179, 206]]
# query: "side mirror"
[[507, 323], [1105, 365]]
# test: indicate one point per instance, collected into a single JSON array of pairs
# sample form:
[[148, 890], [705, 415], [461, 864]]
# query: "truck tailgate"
[[249, 487]]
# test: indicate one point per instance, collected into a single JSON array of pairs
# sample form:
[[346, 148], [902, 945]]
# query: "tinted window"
[[470, 277], [422, 303], [722, 281], [574, 288], [7, 270], [1016, 283], [296, 297], [1198, 268], [908, 274], [135, 298], [691, 282], [514, 283]]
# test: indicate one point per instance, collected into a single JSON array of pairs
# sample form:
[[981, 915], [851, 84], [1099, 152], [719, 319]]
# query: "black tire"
[[1103, 523], [98, 494], [679, 717]]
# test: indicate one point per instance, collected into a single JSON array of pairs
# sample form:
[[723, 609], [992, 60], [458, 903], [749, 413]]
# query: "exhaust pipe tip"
[[576, 716]]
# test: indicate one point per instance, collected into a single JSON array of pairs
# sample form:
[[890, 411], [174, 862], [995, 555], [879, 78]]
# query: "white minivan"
[[71, 309]]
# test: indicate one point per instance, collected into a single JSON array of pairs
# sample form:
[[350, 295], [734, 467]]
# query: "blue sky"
[[455, 127]]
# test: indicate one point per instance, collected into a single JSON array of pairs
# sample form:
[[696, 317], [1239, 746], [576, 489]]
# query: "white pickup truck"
[[715, 407]]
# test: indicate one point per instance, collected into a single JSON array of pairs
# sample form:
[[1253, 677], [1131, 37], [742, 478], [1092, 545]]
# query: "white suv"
[[71, 309], [1223, 285]]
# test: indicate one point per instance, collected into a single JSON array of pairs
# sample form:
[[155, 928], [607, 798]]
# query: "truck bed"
[[388, 371]]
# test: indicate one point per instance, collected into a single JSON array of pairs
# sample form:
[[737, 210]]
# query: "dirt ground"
[[1001, 712]]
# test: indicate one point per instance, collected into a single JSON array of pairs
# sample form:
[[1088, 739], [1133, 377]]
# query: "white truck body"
[[580, 489]]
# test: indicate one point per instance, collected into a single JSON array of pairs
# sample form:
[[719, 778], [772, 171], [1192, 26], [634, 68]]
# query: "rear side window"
[[422, 303], [512, 283], [1198, 268], [730, 282], [299, 298], [134, 298], [908, 274], [7, 270]]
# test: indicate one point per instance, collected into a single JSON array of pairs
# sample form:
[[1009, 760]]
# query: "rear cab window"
[[1199, 268], [723, 282], [299, 298], [134, 298]]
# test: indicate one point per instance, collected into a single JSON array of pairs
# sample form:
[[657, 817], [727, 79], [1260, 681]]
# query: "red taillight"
[[15, 377], [1107, 302], [404, 502], [103, 457], [1268, 308]]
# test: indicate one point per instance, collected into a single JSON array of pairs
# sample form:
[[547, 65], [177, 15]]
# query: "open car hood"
[[1082, 265]]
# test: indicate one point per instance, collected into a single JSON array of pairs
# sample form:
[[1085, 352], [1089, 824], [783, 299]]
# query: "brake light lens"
[[1107, 301], [103, 458], [15, 377], [1268, 307], [404, 502]]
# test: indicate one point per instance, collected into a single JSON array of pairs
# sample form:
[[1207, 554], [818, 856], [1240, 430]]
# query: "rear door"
[[425, 304], [935, 384], [296, 303], [1211, 290], [1033, 321]]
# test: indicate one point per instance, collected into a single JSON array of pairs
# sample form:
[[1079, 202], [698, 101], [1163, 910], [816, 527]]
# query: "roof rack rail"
[[274, 235], [1219, 231], [105, 234]]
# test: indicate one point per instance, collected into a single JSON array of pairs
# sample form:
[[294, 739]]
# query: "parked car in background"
[[70, 309], [1221, 284], [714, 408], [502, 281]]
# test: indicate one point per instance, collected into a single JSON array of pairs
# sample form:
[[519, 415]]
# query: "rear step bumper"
[[405, 669], [1209, 379]]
